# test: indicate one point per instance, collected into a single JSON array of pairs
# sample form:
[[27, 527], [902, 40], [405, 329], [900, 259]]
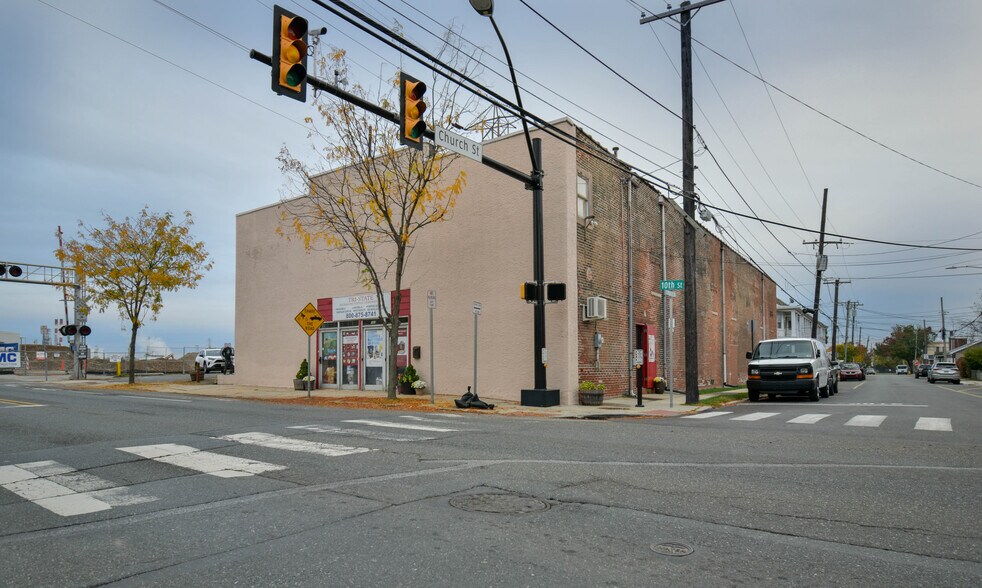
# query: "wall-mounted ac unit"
[[595, 308]]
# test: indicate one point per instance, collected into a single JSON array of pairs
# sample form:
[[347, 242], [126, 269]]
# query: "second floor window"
[[582, 197]]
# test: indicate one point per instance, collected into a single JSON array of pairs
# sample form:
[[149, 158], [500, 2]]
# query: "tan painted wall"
[[482, 254]]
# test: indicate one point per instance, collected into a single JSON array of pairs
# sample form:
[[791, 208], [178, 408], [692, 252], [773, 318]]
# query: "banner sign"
[[360, 306], [9, 355]]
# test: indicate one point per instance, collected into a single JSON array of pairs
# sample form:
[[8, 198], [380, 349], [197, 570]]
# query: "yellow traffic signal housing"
[[529, 291], [411, 109], [289, 54]]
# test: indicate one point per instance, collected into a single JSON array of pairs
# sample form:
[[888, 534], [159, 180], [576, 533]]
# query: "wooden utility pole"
[[688, 196], [820, 264], [835, 316]]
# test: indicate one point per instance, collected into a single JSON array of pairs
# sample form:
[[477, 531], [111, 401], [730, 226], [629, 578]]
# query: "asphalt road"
[[878, 485]]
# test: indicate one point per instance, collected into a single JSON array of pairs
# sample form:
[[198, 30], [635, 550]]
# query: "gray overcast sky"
[[143, 106]]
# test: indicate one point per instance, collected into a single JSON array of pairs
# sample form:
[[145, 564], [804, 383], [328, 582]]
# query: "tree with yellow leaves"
[[131, 263], [375, 198]]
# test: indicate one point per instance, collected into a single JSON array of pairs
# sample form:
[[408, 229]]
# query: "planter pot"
[[406, 389], [660, 387], [591, 397], [299, 385]]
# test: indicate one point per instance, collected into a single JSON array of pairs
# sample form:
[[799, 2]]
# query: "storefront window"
[[329, 357], [349, 357]]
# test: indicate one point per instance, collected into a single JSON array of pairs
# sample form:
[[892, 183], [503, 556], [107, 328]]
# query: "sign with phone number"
[[360, 306]]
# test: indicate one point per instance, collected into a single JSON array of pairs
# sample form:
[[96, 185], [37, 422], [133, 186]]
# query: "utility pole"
[[835, 315], [944, 346], [688, 195], [820, 264]]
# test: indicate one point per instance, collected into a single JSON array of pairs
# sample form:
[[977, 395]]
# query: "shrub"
[[409, 375], [588, 386], [303, 371], [973, 358], [962, 367]]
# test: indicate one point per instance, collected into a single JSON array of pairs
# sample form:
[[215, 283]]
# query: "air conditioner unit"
[[595, 309]]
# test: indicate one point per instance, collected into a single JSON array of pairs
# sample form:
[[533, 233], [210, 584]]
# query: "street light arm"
[[518, 98]]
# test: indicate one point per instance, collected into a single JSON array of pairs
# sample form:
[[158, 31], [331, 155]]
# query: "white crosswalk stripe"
[[755, 416], [866, 420], [63, 490], [402, 426], [808, 419], [707, 415], [215, 464], [293, 444], [932, 424], [367, 433]]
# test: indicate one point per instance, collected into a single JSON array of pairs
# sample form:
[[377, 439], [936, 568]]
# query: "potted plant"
[[660, 385], [419, 386], [406, 380], [592, 393], [303, 376]]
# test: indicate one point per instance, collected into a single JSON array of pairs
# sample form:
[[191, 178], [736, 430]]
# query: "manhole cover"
[[498, 503], [673, 549]]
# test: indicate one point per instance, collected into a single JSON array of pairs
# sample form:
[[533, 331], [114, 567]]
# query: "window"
[[582, 197]]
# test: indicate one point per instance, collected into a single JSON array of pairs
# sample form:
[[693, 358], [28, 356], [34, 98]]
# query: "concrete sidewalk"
[[654, 405]]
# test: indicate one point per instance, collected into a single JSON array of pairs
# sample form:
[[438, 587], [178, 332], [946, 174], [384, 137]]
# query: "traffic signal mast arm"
[[393, 118]]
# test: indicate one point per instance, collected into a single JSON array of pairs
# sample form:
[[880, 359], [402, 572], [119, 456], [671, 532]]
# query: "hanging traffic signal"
[[529, 291], [289, 54], [68, 330], [13, 271], [411, 109]]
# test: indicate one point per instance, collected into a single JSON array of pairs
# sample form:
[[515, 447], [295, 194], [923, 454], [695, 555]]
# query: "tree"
[[131, 263], [851, 353], [373, 204], [904, 343]]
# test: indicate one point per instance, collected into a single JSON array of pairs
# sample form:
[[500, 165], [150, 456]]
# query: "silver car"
[[944, 371]]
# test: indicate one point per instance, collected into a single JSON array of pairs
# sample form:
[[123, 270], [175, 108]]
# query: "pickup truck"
[[789, 366]]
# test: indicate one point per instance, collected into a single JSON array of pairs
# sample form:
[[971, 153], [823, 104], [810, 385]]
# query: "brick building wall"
[[602, 259]]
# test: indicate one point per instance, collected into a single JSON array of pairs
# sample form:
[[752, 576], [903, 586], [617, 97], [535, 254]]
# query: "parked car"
[[946, 371], [921, 370], [851, 371], [789, 366], [210, 360], [870, 371], [902, 369]]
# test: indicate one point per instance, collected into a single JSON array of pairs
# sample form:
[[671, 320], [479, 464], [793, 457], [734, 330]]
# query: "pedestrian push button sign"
[[309, 319]]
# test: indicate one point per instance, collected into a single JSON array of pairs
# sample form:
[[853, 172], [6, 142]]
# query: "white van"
[[902, 369]]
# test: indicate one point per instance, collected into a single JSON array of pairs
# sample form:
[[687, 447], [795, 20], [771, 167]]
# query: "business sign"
[[9, 355], [459, 144], [673, 284], [360, 306]]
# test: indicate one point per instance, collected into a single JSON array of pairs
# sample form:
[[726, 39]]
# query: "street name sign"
[[673, 284], [309, 319], [459, 144]]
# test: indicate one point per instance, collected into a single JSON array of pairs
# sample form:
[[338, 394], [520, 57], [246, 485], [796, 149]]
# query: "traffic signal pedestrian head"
[[411, 109], [555, 291], [289, 54], [529, 291]]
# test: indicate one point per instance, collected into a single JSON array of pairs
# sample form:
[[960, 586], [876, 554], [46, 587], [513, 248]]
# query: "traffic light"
[[13, 271], [289, 54], [411, 109], [68, 330], [529, 291], [555, 291]]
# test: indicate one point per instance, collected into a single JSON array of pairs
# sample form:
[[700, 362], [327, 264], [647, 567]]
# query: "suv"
[[789, 366], [921, 370], [946, 371], [902, 369], [210, 360]]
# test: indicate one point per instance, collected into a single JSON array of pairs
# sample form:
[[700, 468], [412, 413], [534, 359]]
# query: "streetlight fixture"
[[540, 395], [964, 266]]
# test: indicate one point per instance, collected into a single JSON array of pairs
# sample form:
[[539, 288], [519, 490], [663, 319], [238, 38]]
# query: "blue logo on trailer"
[[9, 355]]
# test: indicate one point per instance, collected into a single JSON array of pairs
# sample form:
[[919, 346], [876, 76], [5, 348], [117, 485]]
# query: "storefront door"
[[329, 358], [350, 366], [375, 357]]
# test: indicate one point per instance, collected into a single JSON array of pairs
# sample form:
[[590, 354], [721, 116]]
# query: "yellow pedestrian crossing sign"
[[309, 319]]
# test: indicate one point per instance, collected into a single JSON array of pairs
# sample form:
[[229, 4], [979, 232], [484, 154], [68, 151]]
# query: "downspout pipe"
[[722, 275], [630, 287], [664, 276]]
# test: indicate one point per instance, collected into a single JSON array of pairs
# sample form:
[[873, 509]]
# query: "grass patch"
[[720, 399]]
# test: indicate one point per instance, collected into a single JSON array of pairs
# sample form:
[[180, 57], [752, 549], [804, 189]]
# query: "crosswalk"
[[861, 420], [65, 491]]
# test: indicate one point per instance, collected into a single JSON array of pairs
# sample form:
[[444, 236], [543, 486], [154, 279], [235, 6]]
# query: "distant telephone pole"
[[688, 195], [835, 315]]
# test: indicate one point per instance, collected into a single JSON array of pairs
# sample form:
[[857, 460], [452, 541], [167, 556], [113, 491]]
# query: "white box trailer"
[[9, 351]]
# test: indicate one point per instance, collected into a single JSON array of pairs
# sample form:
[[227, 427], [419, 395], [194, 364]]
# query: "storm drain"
[[499, 503], [672, 549]]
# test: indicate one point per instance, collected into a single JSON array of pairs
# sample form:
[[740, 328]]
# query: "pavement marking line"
[[381, 436], [707, 415], [755, 416], [866, 420], [808, 419], [959, 391], [206, 462], [17, 403], [932, 424], [66, 493], [403, 426], [151, 398], [422, 419], [293, 444], [859, 385]]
